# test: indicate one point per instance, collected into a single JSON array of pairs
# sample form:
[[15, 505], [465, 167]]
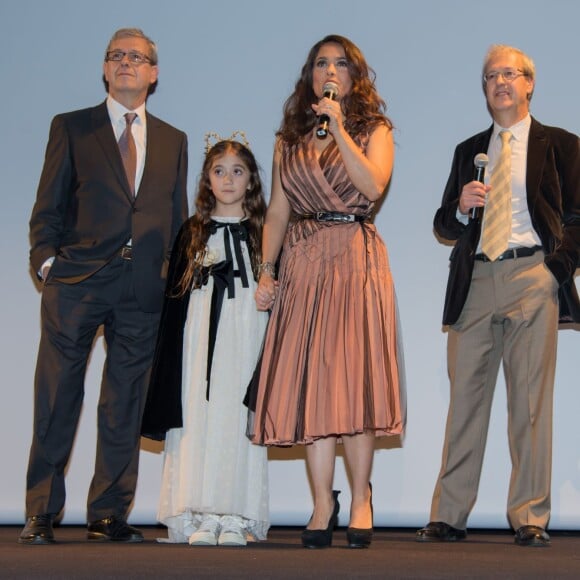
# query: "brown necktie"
[[497, 221], [129, 151]]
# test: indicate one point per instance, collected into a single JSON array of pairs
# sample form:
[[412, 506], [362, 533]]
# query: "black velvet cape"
[[163, 407]]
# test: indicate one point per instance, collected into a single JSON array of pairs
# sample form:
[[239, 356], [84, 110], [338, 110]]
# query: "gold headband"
[[212, 139]]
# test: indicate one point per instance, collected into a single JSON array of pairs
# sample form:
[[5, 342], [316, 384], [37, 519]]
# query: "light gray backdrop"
[[230, 65]]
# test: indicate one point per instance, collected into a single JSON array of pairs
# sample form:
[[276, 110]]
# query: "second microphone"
[[480, 161]]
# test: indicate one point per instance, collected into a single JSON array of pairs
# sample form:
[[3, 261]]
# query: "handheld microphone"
[[480, 161], [330, 91]]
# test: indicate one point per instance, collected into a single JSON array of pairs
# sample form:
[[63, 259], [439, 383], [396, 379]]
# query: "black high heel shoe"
[[361, 537], [322, 538]]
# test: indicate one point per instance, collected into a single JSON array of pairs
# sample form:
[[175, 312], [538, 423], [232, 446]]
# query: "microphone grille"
[[481, 160], [330, 88]]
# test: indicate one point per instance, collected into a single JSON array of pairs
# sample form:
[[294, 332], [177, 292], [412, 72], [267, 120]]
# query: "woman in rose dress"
[[332, 367]]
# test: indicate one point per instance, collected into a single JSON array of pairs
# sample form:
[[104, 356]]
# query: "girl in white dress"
[[215, 482]]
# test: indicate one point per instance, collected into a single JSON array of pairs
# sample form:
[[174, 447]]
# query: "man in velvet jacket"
[[100, 241], [507, 308]]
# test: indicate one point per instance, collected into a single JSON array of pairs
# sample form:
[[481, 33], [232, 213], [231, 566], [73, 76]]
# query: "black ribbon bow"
[[224, 275]]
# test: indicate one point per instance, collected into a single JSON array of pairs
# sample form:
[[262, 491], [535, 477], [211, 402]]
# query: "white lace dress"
[[210, 467]]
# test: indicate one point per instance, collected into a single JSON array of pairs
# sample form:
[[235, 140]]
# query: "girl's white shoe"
[[208, 532], [233, 531]]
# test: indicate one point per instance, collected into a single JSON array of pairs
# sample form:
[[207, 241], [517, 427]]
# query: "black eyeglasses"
[[133, 56]]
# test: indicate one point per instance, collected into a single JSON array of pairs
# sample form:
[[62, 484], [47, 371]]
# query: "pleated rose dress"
[[332, 360]]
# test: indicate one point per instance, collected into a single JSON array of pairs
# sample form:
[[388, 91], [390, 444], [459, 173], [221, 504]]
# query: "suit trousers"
[[71, 314], [511, 315]]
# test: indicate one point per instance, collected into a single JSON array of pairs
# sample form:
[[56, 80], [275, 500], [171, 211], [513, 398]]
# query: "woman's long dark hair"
[[197, 229], [363, 107]]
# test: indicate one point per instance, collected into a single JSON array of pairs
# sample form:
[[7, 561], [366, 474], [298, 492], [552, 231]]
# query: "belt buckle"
[[127, 252], [509, 254], [330, 216]]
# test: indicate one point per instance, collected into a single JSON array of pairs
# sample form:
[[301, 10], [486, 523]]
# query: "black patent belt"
[[511, 254], [126, 253], [333, 216]]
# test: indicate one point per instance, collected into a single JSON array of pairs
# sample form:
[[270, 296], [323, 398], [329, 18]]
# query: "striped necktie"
[[497, 221], [129, 151]]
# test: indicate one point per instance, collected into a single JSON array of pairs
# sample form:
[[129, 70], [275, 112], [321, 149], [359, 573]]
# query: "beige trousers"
[[511, 315]]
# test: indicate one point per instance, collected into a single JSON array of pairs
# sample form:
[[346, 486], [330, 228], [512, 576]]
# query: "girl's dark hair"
[[363, 107], [197, 229]]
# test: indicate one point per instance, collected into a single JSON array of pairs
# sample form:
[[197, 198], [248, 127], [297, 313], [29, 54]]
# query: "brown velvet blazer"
[[553, 194]]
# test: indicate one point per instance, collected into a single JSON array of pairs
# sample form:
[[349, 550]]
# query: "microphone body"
[[480, 161], [330, 91]]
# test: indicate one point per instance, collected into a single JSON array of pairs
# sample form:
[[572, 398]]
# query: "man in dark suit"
[[111, 199], [511, 276]]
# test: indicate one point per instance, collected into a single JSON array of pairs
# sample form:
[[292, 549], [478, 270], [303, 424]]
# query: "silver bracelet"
[[268, 268]]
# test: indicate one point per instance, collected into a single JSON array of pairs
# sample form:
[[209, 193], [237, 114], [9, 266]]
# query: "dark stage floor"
[[394, 554]]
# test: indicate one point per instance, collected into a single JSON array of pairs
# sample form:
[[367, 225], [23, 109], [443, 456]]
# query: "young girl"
[[215, 482]]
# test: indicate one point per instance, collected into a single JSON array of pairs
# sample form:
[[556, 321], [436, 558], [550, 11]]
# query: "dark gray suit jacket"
[[553, 195], [85, 212]]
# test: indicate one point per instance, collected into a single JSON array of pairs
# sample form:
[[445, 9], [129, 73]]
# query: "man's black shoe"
[[38, 530], [533, 536], [439, 532], [113, 529]]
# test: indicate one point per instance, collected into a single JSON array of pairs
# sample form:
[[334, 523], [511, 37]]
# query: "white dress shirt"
[[523, 233]]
